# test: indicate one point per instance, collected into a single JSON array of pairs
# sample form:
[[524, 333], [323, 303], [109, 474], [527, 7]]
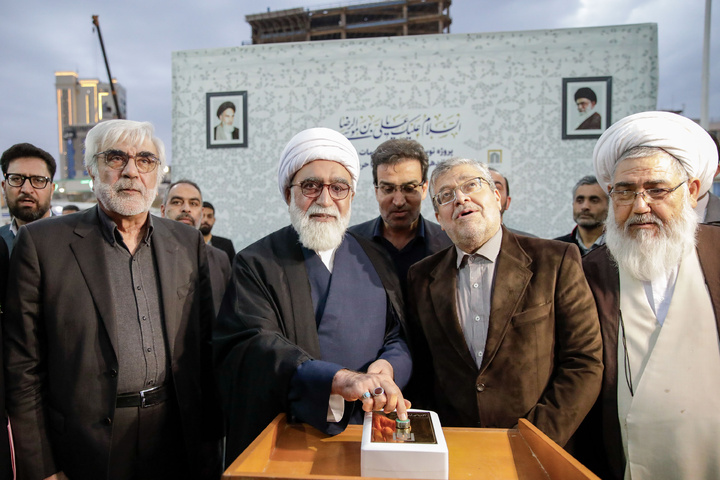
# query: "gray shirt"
[[134, 282], [476, 273]]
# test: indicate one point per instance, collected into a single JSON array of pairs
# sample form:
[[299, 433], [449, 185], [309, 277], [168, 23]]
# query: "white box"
[[383, 455]]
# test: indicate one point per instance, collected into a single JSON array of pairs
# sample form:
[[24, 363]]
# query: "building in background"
[[81, 104], [378, 19]]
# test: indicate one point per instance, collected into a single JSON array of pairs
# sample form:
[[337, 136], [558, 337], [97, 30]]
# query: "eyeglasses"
[[407, 189], [313, 189], [145, 162], [448, 195], [17, 180], [651, 195]]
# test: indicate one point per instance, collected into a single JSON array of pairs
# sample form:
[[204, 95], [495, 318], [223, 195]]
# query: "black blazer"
[[60, 339], [224, 244]]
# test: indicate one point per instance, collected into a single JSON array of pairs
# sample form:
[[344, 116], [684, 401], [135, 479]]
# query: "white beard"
[[314, 235], [110, 197], [647, 256], [582, 116]]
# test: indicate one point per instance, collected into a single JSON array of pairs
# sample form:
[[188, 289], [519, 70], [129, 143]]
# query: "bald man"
[[656, 283], [300, 299]]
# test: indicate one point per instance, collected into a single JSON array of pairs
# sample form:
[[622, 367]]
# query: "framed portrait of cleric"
[[226, 119], [586, 105]]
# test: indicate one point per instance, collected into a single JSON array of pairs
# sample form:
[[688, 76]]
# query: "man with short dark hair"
[[656, 284], [107, 330], [585, 99], [311, 322], [206, 226], [590, 209], [502, 326], [400, 169], [68, 209], [28, 186], [183, 203], [503, 187], [226, 130]]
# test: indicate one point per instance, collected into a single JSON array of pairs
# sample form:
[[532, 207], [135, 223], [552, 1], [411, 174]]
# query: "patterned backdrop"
[[490, 95]]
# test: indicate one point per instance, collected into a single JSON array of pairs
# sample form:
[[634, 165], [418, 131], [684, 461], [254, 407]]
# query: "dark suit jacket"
[[224, 244], [5, 466], [712, 214], [219, 274], [601, 432], [266, 328], [543, 352], [8, 236], [60, 346]]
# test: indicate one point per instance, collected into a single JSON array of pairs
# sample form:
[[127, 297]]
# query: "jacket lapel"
[[443, 285], [512, 277], [88, 251], [298, 286]]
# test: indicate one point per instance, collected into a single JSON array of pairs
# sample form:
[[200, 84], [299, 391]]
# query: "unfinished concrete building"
[[359, 20]]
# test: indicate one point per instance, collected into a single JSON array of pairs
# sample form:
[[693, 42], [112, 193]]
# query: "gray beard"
[[318, 236], [647, 256], [109, 197]]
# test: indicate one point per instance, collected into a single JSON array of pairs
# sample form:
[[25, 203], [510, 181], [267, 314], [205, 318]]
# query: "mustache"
[[318, 210], [25, 196], [643, 218], [128, 184], [185, 215]]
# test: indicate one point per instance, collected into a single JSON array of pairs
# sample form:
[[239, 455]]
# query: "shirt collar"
[[488, 250], [420, 232], [598, 241], [111, 233]]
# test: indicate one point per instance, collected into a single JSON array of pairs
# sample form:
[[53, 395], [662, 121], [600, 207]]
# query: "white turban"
[[317, 144], [679, 136]]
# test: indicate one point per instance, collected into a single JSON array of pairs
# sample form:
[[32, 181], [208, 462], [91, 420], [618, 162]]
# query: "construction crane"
[[96, 22]]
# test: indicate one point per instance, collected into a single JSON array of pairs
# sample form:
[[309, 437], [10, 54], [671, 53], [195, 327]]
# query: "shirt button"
[[113, 373], [107, 421], [477, 318], [480, 354], [144, 317], [151, 382], [475, 285], [480, 387], [138, 287], [149, 349]]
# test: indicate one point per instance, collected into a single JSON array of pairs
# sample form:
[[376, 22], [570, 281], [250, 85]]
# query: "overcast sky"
[[38, 38]]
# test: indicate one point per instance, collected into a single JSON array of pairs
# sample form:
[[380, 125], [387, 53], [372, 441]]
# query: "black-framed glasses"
[[651, 195], [313, 189], [17, 180], [448, 195], [145, 162], [407, 189]]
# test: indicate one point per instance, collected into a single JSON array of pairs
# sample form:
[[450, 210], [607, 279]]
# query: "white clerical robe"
[[671, 426]]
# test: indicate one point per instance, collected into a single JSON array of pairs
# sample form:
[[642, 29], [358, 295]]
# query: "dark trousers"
[[148, 444]]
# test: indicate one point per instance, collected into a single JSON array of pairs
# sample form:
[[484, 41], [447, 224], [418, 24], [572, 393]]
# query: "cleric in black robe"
[[311, 321]]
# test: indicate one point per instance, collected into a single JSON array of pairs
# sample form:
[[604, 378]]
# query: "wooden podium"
[[284, 451]]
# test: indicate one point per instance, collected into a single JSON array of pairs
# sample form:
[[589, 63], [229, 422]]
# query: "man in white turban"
[[311, 321], [657, 288]]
